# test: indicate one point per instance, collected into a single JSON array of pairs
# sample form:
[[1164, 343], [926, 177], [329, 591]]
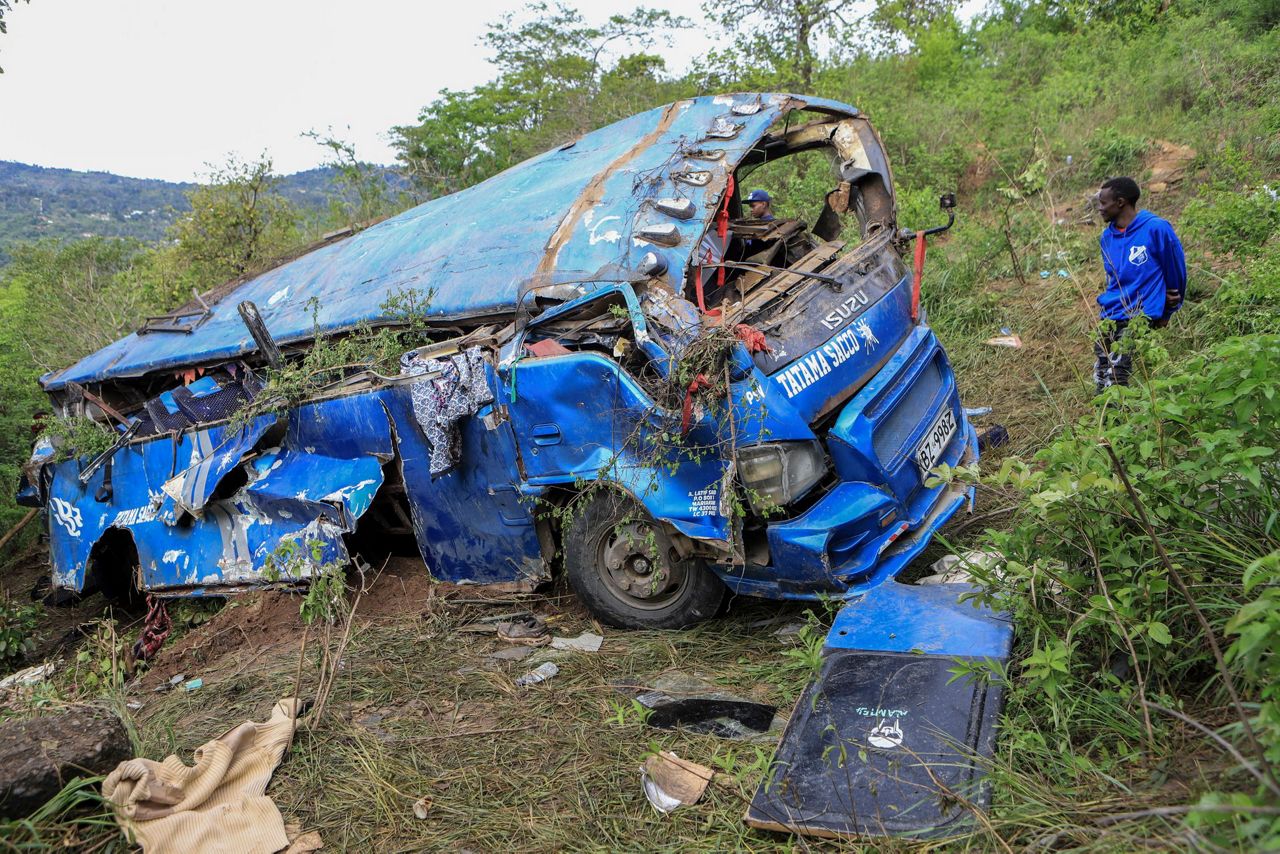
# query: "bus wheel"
[[626, 571]]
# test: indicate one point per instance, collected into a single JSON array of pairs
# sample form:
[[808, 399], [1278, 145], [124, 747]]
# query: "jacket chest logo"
[[1138, 255]]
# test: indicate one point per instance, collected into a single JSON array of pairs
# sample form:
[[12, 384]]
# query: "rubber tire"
[[699, 600]]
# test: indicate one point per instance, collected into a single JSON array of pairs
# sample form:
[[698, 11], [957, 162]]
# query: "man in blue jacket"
[[1146, 274]]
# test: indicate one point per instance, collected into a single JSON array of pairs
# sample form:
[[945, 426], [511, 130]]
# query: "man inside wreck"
[[760, 203]]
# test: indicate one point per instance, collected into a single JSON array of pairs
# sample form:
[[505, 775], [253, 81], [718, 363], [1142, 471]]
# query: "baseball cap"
[[758, 196]]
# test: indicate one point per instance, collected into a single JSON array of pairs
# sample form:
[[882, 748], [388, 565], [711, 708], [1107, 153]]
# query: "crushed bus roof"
[[578, 211]]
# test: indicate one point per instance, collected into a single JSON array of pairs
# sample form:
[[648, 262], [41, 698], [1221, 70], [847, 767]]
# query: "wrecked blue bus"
[[627, 379]]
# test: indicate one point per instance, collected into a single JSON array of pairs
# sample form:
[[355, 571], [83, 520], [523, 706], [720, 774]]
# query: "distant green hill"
[[38, 202]]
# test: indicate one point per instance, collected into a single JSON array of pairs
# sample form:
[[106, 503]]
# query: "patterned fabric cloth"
[[441, 403]]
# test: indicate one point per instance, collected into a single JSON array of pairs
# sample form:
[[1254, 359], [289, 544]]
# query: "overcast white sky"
[[159, 88]]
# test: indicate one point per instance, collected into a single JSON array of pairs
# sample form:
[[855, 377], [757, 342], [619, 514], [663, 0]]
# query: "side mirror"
[[947, 201]]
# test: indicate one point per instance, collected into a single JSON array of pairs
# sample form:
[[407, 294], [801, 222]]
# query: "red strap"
[[696, 385], [722, 231], [722, 227], [697, 284], [155, 629], [753, 338], [919, 271]]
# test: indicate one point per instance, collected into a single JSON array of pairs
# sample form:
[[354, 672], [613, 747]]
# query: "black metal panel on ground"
[[880, 744]]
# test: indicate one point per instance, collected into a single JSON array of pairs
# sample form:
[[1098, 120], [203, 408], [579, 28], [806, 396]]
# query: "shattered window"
[[798, 185], [814, 185], [601, 325]]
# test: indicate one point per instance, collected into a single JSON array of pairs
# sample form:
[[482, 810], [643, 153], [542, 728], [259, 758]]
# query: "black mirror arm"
[[948, 203]]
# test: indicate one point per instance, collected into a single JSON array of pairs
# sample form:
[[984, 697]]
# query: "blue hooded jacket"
[[1141, 262]]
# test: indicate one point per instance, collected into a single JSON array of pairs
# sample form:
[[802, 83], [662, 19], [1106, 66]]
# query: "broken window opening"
[[828, 185], [601, 326], [201, 396]]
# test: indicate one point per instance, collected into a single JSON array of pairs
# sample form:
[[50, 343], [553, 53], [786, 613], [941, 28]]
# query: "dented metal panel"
[[190, 489], [475, 523], [222, 518]]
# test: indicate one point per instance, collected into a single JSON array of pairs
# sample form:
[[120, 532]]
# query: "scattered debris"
[[886, 740], [790, 629], [511, 653], [1006, 338], [527, 630], [302, 843], [29, 676], [155, 629], [679, 700], [976, 411], [993, 437], [541, 673], [585, 642], [371, 723], [193, 684], [670, 782], [217, 805], [422, 808], [956, 569], [38, 756]]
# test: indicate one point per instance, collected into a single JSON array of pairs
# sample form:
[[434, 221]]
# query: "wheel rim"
[[632, 564]]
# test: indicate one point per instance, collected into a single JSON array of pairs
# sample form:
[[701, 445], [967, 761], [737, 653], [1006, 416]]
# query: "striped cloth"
[[215, 806]]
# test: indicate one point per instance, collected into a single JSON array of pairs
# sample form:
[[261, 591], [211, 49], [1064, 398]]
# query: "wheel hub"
[[634, 568]]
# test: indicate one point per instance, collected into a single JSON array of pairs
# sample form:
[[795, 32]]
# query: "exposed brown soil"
[[256, 624], [249, 626], [62, 627], [1168, 163]]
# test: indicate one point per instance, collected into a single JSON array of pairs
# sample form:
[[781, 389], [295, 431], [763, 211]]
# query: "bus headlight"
[[778, 473]]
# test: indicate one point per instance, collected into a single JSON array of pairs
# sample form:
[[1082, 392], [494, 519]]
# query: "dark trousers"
[[1109, 367]]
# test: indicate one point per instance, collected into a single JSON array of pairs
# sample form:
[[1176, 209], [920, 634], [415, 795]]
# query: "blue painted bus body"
[[210, 508]]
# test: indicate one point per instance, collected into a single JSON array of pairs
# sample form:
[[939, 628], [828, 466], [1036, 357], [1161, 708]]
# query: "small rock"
[[39, 756], [512, 653]]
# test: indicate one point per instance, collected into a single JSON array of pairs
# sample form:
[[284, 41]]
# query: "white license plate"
[[935, 440]]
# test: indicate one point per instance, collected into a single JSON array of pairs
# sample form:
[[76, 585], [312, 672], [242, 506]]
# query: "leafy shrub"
[[78, 437], [101, 664], [1114, 153], [1118, 562], [1233, 222], [1248, 300], [17, 629]]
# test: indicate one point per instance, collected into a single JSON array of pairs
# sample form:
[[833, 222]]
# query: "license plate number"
[[935, 440]]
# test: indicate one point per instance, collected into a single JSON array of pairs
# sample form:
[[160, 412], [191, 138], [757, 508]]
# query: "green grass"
[[554, 766]]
